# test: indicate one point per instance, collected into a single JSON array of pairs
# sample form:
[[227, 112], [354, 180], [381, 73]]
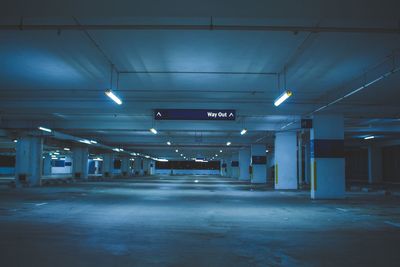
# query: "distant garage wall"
[[188, 168], [391, 164], [7, 165], [356, 164]]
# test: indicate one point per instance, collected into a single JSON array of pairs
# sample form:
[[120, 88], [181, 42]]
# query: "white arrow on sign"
[[158, 114], [231, 114]]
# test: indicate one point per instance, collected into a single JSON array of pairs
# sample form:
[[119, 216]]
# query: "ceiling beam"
[[211, 27]]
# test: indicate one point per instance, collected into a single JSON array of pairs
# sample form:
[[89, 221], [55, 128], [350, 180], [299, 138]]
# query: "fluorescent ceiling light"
[[147, 157], [162, 160], [181, 155], [45, 129], [116, 149], [216, 155], [85, 141], [93, 142], [243, 132], [15, 141], [369, 137], [98, 159], [66, 149], [228, 143], [176, 150], [111, 95], [169, 143], [56, 153], [220, 151], [282, 98], [266, 151], [121, 149], [154, 131]]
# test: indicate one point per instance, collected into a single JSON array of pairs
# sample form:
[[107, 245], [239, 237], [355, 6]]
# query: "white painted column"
[[138, 166], [327, 157], [235, 165], [222, 168], [228, 161], [152, 167], [125, 168], [307, 162], [244, 164], [80, 162], [375, 172], [286, 160], [47, 164], [258, 164], [107, 168], [28, 166]]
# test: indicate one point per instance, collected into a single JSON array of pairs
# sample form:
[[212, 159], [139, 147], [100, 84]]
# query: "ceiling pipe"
[[270, 28]]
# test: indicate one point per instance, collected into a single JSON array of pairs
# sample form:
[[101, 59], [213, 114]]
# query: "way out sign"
[[195, 114]]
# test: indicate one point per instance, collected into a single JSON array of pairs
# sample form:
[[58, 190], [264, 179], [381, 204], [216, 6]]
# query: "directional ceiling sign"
[[195, 114]]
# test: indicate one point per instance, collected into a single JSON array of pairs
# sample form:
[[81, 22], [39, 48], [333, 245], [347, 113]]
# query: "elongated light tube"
[[115, 98], [243, 132], [154, 131], [228, 143], [45, 129], [282, 98], [369, 137]]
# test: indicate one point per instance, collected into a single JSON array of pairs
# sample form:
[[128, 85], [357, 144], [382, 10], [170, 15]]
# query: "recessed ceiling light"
[[243, 132], [220, 151], [154, 131], [169, 143], [176, 150], [228, 143]]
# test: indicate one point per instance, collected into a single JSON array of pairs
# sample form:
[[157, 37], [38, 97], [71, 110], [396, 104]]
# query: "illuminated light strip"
[[44, 129], [282, 98], [111, 95], [387, 74]]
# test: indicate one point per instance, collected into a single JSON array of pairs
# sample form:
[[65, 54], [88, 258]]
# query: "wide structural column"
[[375, 171], [125, 168], [222, 168], [47, 164], [327, 157], [228, 161], [107, 168], [244, 164], [138, 166], [80, 166], [286, 160], [28, 166], [258, 164], [235, 165]]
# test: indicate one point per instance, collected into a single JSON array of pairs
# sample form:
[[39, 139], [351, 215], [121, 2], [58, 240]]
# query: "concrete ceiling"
[[57, 78]]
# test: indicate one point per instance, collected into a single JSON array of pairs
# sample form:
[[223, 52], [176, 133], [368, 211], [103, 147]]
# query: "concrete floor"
[[174, 221]]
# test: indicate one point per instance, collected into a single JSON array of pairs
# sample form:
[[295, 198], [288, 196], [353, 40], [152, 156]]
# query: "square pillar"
[[47, 164], [125, 166], [286, 160], [229, 166], [235, 165], [28, 165], [327, 157], [258, 164], [375, 171], [107, 168], [80, 166], [244, 164]]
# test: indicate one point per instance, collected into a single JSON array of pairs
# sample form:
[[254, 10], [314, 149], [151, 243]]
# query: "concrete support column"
[[139, 166], [307, 161], [80, 166], [286, 160], [108, 165], [258, 164], [222, 165], [28, 166], [152, 167], [300, 159], [244, 164], [228, 161], [146, 166], [125, 168], [235, 165], [327, 157], [375, 171], [96, 166], [47, 164]]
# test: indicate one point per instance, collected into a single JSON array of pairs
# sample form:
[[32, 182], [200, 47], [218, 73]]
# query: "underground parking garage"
[[219, 133]]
